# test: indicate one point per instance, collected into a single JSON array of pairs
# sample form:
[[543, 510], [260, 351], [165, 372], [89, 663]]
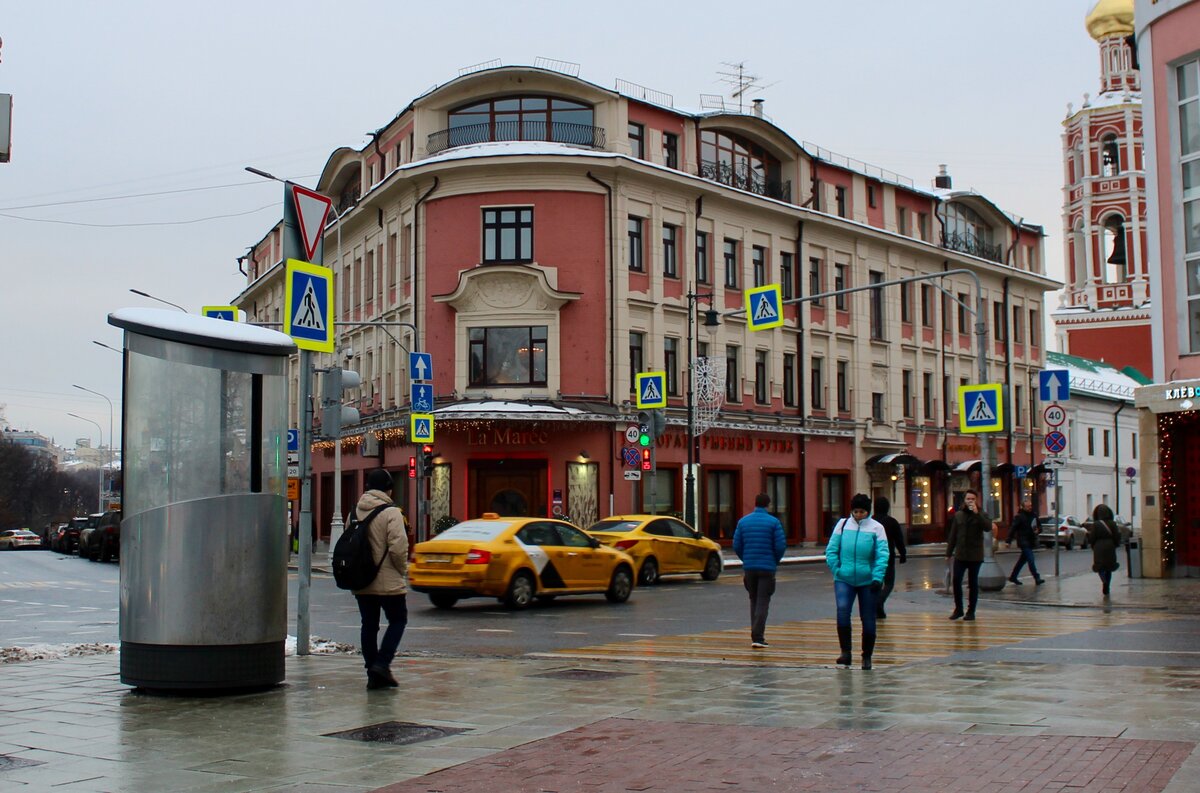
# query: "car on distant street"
[[517, 560], [660, 545], [16, 539], [1068, 532], [102, 542], [67, 539]]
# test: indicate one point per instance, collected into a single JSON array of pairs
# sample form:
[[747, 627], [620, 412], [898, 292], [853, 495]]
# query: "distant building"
[[1105, 310], [1168, 47], [33, 441]]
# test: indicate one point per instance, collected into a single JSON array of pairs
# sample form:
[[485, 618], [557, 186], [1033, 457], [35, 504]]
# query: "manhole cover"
[[396, 733], [8, 763], [582, 674]]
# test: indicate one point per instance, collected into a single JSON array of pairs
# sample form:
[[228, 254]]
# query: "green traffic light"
[[644, 439]]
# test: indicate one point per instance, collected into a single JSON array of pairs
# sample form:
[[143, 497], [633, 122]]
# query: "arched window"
[[520, 118], [1115, 257], [1110, 156], [733, 160]]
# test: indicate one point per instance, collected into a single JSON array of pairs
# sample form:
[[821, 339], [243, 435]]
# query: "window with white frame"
[[1187, 80]]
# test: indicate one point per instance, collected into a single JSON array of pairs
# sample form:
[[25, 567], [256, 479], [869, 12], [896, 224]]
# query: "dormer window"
[[534, 118], [965, 230], [737, 162]]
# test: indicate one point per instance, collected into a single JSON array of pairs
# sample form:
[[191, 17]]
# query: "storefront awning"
[[502, 409], [893, 458], [966, 466], [935, 465]]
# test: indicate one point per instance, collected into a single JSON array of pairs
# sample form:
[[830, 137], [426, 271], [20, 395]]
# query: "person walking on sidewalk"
[[1024, 530], [896, 548], [1103, 537], [965, 544], [759, 542], [387, 593], [857, 554]]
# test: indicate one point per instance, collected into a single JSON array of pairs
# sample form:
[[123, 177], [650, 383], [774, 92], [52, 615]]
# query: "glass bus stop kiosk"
[[204, 535]]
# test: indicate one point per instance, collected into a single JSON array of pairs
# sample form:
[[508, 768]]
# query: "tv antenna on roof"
[[741, 81]]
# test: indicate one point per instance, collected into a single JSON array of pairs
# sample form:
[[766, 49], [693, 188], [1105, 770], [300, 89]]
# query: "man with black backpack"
[[384, 525]]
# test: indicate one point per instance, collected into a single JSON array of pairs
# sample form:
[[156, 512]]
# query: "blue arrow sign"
[[293, 440], [420, 366], [421, 396], [1054, 385]]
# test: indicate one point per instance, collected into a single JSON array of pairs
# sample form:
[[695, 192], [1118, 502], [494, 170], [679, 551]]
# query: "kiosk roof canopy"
[[202, 331]]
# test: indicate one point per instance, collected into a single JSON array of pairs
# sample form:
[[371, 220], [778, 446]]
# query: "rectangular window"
[[787, 278], [789, 379], [671, 364], [346, 288], [1107, 440], [839, 283], [902, 221], [701, 257], [964, 324], [947, 309], [947, 403], [877, 407], [670, 235], [871, 196], [357, 277], [637, 357], [701, 349], [923, 225], [927, 396], [732, 386], [508, 235], [1133, 445], [760, 377], [814, 279], [758, 257], [508, 356], [1018, 403], [731, 263], [1018, 330], [391, 260], [369, 277], [906, 385], [670, 150], [843, 386], [998, 322], [1091, 442], [926, 306], [817, 384], [1187, 80], [877, 314], [839, 197], [906, 303], [637, 140], [1035, 329], [635, 244], [405, 248]]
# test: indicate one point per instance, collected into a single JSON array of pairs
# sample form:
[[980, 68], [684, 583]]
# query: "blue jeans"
[[845, 595], [395, 607], [1026, 559]]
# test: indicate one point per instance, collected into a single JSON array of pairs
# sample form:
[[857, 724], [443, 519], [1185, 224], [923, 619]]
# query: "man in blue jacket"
[[759, 542]]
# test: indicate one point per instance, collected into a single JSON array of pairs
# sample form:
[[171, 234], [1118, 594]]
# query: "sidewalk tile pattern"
[[626, 755], [903, 638]]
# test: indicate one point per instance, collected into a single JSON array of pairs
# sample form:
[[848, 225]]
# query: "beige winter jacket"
[[386, 531]]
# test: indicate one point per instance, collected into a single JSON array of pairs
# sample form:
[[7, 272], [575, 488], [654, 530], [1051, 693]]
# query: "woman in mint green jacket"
[[857, 554]]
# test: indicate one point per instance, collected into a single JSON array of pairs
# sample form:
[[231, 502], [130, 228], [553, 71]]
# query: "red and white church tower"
[[1104, 312]]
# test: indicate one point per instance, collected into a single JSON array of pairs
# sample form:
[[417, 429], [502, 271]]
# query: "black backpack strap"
[[366, 526]]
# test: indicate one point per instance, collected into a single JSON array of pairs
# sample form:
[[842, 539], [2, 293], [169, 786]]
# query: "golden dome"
[[1110, 18]]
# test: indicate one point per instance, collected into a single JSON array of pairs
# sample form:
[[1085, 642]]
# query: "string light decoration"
[[1168, 425]]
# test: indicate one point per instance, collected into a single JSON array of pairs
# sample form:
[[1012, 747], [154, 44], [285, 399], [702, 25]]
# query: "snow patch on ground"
[[48, 652], [319, 646]]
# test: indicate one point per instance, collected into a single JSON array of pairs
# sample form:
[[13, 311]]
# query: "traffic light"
[[645, 459], [427, 455], [653, 425], [412, 467], [335, 415]]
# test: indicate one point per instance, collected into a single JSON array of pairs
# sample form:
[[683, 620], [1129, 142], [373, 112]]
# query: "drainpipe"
[[1008, 379], [800, 398], [612, 337], [1117, 457], [416, 269]]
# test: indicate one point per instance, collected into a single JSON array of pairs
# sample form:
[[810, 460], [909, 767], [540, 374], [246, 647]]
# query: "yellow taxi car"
[[517, 560], [660, 545]]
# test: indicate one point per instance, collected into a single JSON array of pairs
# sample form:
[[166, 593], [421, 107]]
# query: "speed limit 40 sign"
[[1055, 416]]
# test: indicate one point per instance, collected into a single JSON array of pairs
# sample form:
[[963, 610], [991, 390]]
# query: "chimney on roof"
[[942, 180], [758, 107]]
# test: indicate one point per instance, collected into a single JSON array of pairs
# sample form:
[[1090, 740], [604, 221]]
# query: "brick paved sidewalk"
[[622, 755]]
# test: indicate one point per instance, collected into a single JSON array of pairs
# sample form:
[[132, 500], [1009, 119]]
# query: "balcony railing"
[[583, 135], [971, 244], [745, 179]]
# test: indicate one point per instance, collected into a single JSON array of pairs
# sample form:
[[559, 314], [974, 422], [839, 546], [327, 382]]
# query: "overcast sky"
[[133, 120]]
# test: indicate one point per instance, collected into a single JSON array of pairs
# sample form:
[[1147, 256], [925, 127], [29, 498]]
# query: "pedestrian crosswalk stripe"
[[981, 412], [308, 311], [903, 638], [765, 310]]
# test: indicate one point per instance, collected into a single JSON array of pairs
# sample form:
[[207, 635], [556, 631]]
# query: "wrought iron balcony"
[[582, 135], [971, 244], [745, 179]]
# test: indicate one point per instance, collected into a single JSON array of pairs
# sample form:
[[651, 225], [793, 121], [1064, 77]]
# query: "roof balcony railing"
[[743, 178], [582, 135], [973, 245]]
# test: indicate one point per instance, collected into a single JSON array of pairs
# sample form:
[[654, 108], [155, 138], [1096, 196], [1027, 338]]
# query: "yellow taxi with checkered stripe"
[[660, 545], [517, 560]]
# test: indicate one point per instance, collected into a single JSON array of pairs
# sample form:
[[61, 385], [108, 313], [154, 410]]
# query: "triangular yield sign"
[[311, 210]]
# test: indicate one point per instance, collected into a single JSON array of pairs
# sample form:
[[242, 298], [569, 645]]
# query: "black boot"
[[868, 649], [844, 641]]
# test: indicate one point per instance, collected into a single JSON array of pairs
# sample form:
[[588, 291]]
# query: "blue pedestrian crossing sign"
[[220, 312], [308, 306], [420, 428], [764, 307], [1054, 385], [420, 366], [980, 408], [651, 390], [421, 396]]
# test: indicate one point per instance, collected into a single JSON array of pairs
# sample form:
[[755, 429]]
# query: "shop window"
[[920, 501], [658, 491], [508, 356], [720, 511]]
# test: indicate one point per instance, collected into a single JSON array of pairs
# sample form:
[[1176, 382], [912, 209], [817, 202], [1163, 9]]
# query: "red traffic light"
[[427, 449], [412, 467], [645, 459]]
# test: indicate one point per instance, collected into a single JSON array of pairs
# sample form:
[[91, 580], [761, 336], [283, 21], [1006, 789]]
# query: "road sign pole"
[[305, 577], [653, 477], [991, 577]]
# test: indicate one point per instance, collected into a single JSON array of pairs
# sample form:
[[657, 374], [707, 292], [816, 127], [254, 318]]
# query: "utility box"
[[204, 539], [1133, 557]]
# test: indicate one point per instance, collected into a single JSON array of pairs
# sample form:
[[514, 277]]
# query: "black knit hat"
[[379, 479], [860, 501]]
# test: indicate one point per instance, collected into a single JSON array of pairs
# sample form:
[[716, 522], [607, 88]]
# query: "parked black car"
[[66, 540], [102, 542]]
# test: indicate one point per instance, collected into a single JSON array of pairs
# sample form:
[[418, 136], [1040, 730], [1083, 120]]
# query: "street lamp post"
[[711, 320], [159, 299], [100, 470], [110, 428], [105, 346]]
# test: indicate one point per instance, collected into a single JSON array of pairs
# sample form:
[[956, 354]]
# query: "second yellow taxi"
[[660, 545], [517, 560]]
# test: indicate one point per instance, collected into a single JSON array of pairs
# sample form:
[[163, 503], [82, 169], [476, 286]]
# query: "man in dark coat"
[[965, 544], [896, 549], [759, 542], [1024, 531]]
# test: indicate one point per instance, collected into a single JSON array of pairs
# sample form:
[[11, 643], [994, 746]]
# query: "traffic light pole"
[[304, 588]]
